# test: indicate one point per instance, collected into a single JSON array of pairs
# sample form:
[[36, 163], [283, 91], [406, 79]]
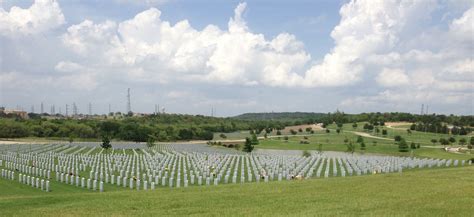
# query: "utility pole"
[[67, 110], [110, 108], [422, 108], [32, 109], [90, 109]]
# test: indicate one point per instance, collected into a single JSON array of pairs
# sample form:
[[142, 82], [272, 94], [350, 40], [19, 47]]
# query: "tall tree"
[[248, 147]]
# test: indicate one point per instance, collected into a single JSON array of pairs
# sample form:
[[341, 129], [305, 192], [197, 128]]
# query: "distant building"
[[19, 113]]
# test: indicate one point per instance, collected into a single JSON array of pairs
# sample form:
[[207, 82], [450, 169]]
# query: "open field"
[[335, 142], [440, 192], [415, 136]]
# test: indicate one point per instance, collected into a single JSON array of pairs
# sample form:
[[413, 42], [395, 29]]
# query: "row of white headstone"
[[28, 180], [169, 167]]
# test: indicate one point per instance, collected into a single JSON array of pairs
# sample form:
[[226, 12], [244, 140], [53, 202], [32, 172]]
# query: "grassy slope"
[[335, 142], [434, 192]]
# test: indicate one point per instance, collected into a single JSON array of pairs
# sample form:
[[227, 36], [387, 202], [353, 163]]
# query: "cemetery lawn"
[[335, 142], [421, 192]]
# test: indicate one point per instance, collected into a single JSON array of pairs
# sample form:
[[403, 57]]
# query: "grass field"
[[335, 142], [414, 136], [426, 192]]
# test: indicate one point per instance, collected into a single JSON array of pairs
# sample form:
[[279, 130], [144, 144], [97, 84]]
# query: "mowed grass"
[[335, 142], [423, 138], [426, 192]]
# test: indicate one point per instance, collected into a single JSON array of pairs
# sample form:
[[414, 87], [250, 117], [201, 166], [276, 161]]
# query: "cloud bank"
[[398, 50]]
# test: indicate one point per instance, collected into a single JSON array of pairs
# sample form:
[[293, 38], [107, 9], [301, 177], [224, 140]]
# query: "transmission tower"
[[74, 109], [129, 106], [90, 109], [32, 109], [42, 108], [422, 108], [67, 110]]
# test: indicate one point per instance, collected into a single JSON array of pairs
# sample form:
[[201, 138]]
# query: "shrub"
[[306, 153]]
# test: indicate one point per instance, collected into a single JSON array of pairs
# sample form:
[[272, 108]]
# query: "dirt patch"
[[395, 124]]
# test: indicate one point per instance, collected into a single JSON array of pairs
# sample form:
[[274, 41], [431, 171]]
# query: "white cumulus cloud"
[[43, 15]]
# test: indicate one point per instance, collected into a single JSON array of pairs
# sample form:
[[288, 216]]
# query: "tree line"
[[162, 127]]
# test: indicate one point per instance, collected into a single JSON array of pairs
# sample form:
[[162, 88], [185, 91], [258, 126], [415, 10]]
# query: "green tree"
[[350, 147], [254, 139], [248, 147], [150, 143], [354, 125], [462, 141], [434, 141], [360, 139], [362, 146], [278, 132], [403, 146], [452, 140], [320, 148], [306, 153], [71, 139], [106, 142], [444, 141], [398, 138], [346, 140], [384, 132], [338, 130]]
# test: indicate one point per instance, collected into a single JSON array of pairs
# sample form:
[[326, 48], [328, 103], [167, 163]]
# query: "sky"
[[236, 57]]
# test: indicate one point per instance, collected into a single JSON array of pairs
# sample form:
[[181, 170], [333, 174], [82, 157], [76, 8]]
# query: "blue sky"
[[254, 56]]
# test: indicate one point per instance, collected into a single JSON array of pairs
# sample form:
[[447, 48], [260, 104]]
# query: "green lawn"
[[426, 192], [335, 142], [414, 136]]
